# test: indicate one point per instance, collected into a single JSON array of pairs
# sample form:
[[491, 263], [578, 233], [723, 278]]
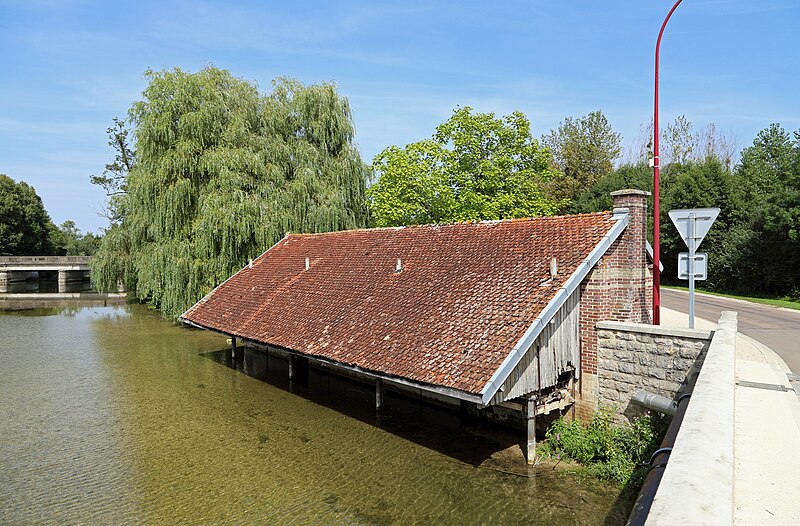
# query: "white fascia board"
[[649, 248], [550, 310]]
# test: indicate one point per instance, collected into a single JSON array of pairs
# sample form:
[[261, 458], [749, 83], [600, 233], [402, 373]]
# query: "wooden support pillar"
[[234, 353], [378, 394], [292, 366], [530, 421]]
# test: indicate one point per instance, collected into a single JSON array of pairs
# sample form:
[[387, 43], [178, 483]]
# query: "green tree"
[[597, 197], [678, 142], [763, 248], [220, 174], [69, 240], [584, 149], [25, 226], [475, 166], [697, 184], [115, 174]]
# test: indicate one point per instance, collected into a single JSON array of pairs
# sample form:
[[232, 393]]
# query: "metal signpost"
[[693, 225]]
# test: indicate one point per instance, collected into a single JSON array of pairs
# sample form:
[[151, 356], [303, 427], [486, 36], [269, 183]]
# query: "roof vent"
[[399, 267], [308, 263], [553, 268]]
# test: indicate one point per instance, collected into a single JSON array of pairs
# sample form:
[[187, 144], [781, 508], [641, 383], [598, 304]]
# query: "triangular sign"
[[703, 218]]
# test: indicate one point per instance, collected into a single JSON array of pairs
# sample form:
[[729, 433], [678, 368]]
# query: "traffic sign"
[[693, 225], [702, 218], [700, 265]]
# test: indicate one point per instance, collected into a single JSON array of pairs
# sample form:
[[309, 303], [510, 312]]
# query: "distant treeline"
[[27, 230], [753, 247]]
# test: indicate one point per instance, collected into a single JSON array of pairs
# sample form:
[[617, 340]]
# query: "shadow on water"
[[451, 432]]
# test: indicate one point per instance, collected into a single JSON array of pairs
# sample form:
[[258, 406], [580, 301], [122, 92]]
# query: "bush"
[[608, 450]]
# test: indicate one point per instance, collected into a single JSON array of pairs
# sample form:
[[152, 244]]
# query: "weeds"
[[608, 450]]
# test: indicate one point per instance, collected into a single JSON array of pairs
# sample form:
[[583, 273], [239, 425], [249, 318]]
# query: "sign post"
[[693, 225]]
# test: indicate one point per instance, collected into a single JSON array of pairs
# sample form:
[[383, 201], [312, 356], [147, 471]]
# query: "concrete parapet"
[[697, 486]]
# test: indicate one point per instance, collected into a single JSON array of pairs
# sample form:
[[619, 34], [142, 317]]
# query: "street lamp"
[[656, 162]]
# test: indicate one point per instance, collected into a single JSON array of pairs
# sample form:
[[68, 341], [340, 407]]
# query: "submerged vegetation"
[[221, 173], [606, 449]]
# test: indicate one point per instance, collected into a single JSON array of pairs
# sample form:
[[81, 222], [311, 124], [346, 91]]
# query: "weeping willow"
[[222, 172]]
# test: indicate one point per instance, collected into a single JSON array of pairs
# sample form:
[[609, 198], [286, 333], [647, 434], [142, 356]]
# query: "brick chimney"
[[619, 288]]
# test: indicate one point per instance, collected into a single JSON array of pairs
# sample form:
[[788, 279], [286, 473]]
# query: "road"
[[778, 329]]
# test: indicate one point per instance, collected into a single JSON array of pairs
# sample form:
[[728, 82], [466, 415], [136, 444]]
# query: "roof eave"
[[550, 310], [431, 388]]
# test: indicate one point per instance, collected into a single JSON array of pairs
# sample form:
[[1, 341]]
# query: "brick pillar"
[[615, 290]]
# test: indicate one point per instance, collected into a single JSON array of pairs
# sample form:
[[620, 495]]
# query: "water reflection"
[[446, 430], [114, 415], [45, 285]]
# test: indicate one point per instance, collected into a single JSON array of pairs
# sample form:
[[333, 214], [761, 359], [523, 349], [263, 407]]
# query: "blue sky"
[[68, 67]]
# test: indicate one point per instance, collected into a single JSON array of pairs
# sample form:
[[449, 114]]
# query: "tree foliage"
[[222, 172], [25, 226], [476, 166], [754, 245], [584, 149], [115, 174], [70, 241], [763, 245]]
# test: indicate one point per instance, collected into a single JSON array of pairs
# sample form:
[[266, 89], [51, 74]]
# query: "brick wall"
[[617, 289]]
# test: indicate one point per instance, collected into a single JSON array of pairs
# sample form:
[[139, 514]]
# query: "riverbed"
[[113, 415]]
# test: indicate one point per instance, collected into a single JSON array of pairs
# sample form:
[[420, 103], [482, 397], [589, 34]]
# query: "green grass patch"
[[606, 449], [785, 302]]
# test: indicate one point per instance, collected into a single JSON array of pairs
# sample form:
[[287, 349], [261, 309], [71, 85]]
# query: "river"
[[110, 414]]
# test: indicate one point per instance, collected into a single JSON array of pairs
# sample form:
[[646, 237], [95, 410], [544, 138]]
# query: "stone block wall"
[[632, 356]]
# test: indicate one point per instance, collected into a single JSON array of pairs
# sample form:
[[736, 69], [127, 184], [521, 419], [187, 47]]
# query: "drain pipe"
[[659, 459], [655, 402]]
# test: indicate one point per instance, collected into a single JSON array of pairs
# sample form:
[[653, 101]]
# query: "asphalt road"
[[778, 329]]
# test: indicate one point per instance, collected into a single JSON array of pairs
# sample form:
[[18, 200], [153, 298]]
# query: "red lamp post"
[[656, 162]]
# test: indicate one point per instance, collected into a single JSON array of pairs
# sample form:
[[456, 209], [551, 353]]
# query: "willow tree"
[[221, 173]]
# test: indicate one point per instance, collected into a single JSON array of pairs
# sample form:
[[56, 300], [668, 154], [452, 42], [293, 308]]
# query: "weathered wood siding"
[[557, 348]]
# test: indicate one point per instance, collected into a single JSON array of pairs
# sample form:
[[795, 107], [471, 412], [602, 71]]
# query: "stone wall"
[[634, 356]]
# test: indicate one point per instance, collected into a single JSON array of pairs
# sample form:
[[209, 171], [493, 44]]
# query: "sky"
[[68, 67]]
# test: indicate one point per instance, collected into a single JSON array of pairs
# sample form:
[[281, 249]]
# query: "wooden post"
[[378, 394], [292, 366], [233, 348], [530, 417]]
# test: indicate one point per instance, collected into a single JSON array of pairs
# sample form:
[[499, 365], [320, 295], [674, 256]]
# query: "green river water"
[[113, 415]]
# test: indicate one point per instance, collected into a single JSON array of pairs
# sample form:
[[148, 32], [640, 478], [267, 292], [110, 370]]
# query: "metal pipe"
[[656, 166], [655, 402], [644, 501]]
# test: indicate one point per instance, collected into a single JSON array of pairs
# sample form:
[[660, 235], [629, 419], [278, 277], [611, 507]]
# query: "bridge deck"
[[33, 263]]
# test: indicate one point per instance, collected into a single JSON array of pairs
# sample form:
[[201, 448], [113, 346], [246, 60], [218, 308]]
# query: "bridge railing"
[[48, 260]]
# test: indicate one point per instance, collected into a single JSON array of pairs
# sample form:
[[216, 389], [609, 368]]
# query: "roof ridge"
[[452, 224]]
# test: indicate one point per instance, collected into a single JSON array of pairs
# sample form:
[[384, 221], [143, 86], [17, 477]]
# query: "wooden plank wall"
[[557, 348]]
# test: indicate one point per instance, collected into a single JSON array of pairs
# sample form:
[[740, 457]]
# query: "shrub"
[[608, 450]]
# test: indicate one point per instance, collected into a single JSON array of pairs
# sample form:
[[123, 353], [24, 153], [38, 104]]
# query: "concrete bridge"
[[70, 269]]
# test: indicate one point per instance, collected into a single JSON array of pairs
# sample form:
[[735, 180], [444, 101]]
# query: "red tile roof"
[[466, 294]]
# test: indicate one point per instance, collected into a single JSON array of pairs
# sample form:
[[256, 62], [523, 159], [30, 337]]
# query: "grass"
[[776, 302]]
